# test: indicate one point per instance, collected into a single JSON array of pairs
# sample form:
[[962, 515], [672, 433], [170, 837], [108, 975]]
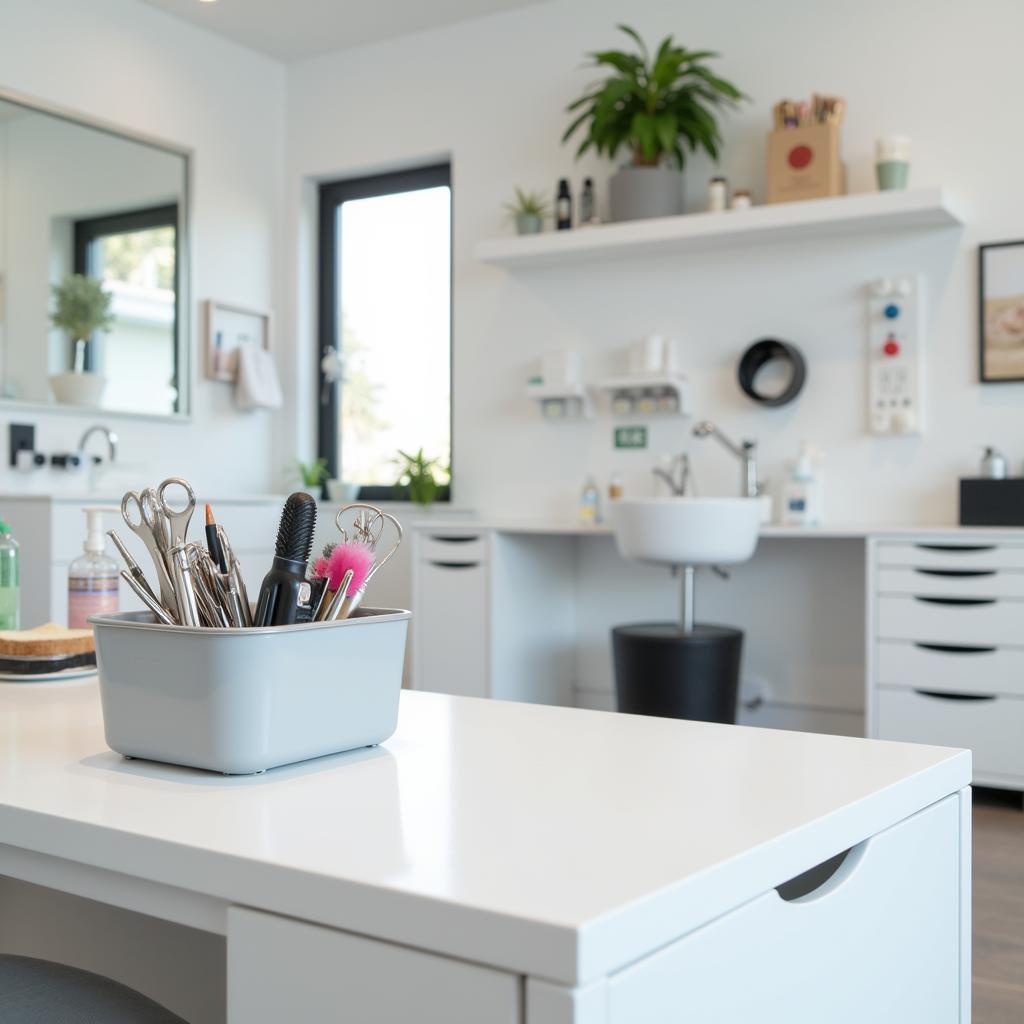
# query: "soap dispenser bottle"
[[92, 577], [801, 497]]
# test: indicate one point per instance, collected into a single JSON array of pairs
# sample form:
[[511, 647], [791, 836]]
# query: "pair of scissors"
[[161, 527]]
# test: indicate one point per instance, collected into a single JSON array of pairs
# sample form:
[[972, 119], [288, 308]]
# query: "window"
[[135, 254], [385, 306]]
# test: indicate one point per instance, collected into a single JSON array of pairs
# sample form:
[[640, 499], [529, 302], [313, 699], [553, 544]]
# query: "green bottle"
[[10, 595]]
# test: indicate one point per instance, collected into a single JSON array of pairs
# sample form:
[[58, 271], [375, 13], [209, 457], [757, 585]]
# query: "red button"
[[799, 157], [891, 346]]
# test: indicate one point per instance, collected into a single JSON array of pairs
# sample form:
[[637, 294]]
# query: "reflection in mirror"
[[83, 210]]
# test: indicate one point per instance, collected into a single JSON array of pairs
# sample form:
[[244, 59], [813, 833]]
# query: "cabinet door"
[[878, 941], [280, 970], [450, 624]]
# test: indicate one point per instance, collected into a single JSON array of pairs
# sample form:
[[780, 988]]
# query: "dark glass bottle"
[[563, 206]]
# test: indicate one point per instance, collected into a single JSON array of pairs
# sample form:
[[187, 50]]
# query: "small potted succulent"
[[657, 108], [417, 478], [81, 307], [528, 211]]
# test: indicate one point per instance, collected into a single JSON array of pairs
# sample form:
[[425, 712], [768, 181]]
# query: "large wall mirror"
[[93, 266]]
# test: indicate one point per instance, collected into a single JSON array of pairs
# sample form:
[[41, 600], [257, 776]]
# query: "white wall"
[[122, 62], [491, 93]]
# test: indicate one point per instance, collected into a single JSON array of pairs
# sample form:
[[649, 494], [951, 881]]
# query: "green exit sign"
[[630, 437]]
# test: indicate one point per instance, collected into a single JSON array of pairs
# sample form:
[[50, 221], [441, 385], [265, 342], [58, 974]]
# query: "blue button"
[[891, 311]]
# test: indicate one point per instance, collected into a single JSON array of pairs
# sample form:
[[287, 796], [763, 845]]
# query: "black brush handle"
[[278, 604]]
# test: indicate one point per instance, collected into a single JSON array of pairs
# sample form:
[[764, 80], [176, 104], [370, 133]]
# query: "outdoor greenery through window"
[[386, 308]]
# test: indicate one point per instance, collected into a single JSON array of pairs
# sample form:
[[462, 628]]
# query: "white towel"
[[256, 382]]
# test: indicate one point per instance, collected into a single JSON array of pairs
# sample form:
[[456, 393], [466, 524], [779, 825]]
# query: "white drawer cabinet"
[[878, 941], [280, 970], [946, 647]]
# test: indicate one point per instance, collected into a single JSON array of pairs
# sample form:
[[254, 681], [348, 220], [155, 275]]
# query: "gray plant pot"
[[529, 224], [641, 192]]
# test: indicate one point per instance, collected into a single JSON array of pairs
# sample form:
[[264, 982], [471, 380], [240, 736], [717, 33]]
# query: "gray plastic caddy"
[[239, 701]]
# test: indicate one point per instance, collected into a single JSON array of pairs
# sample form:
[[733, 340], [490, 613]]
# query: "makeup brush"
[[351, 556], [213, 541], [279, 596]]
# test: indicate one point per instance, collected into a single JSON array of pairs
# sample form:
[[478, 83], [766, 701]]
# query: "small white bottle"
[[93, 577], [801, 496]]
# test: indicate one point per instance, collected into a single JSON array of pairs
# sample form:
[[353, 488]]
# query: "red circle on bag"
[[800, 157]]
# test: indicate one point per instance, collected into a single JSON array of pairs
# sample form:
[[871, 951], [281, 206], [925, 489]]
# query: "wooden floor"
[[998, 908]]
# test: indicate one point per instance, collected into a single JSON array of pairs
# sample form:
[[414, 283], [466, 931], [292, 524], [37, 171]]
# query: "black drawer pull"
[[958, 573], [956, 547], [453, 539], [962, 601], [940, 695], [456, 565], [954, 648]]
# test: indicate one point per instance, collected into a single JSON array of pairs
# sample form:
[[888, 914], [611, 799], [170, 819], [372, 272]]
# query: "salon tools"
[[351, 560], [367, 525], [141, 588], [139, 580], [184, 586], [213, 541], [280, 593]]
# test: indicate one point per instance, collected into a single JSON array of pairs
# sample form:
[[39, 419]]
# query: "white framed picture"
[[228, 328]]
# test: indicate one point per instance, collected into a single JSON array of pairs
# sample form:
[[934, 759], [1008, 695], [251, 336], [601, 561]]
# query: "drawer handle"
[[455, 565], [958, 573], [954, 648], [813, 882], [451, 539], [956, 548], [963, 601], [940, 695]]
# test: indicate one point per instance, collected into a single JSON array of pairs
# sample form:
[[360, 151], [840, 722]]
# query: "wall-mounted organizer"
[[895, 355], [561, 401], [646, 395]]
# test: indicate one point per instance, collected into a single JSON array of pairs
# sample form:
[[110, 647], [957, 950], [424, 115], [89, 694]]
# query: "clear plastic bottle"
[[590, 503], [93, 577], [10, 580]]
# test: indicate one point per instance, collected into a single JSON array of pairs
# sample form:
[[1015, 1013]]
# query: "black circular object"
[[770, 350]]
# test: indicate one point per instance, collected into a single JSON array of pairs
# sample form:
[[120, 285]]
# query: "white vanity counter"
[[557, 845]]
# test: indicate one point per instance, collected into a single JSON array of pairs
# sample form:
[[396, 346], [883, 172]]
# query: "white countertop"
[[838, 531], [552, 841]]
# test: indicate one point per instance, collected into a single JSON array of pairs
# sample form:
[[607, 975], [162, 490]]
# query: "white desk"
[[508, 862]]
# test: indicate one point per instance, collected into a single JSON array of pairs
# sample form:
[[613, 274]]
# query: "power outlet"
[[896, 355], [21, 437]]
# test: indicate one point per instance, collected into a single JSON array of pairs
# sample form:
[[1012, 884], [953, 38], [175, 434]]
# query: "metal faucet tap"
[[745, 451], [107, 433], [676, 475]]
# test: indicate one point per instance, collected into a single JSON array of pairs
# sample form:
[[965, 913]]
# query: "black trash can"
[[660, 670]]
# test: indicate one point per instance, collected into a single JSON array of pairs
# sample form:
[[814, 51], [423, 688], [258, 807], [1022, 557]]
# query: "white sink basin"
[[687, 531]]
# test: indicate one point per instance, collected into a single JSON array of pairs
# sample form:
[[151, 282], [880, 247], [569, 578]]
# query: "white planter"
[[78, 388], [637, 193]]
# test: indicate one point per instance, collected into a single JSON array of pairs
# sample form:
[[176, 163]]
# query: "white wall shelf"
[[575, 401], [644, 388], [912, 209]]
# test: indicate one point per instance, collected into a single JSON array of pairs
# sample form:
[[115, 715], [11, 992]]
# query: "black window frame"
[[90, 229], [331, 195]]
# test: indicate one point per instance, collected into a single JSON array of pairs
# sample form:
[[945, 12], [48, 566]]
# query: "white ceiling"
[[290, 29]]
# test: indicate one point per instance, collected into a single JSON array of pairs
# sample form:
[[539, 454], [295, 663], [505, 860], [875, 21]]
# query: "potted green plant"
[[528, 211], [416, 474], [658, 109], [81, 307]]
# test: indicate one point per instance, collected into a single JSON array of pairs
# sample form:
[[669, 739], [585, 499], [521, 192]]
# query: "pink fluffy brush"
[[351, 555]]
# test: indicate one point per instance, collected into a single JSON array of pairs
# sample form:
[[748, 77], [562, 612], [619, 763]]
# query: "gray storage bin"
[[239, 701]]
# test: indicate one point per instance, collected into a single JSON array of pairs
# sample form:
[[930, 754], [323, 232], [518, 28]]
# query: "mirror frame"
[[186, 342]]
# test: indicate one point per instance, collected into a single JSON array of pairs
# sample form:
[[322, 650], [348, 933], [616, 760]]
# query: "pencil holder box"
[[804, 163], [240, 701]]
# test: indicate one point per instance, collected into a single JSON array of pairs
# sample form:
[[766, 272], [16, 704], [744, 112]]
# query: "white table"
[[500, 862]]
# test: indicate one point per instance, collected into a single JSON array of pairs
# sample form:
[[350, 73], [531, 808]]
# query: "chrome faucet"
[[676, 474], [745, 451], [107, 433]]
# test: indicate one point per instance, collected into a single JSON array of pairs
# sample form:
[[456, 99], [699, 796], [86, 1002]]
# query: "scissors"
[[161, 527]]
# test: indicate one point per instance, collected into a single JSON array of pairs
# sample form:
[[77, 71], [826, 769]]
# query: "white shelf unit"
[[637, 384], [542, 393], [911, 209]]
